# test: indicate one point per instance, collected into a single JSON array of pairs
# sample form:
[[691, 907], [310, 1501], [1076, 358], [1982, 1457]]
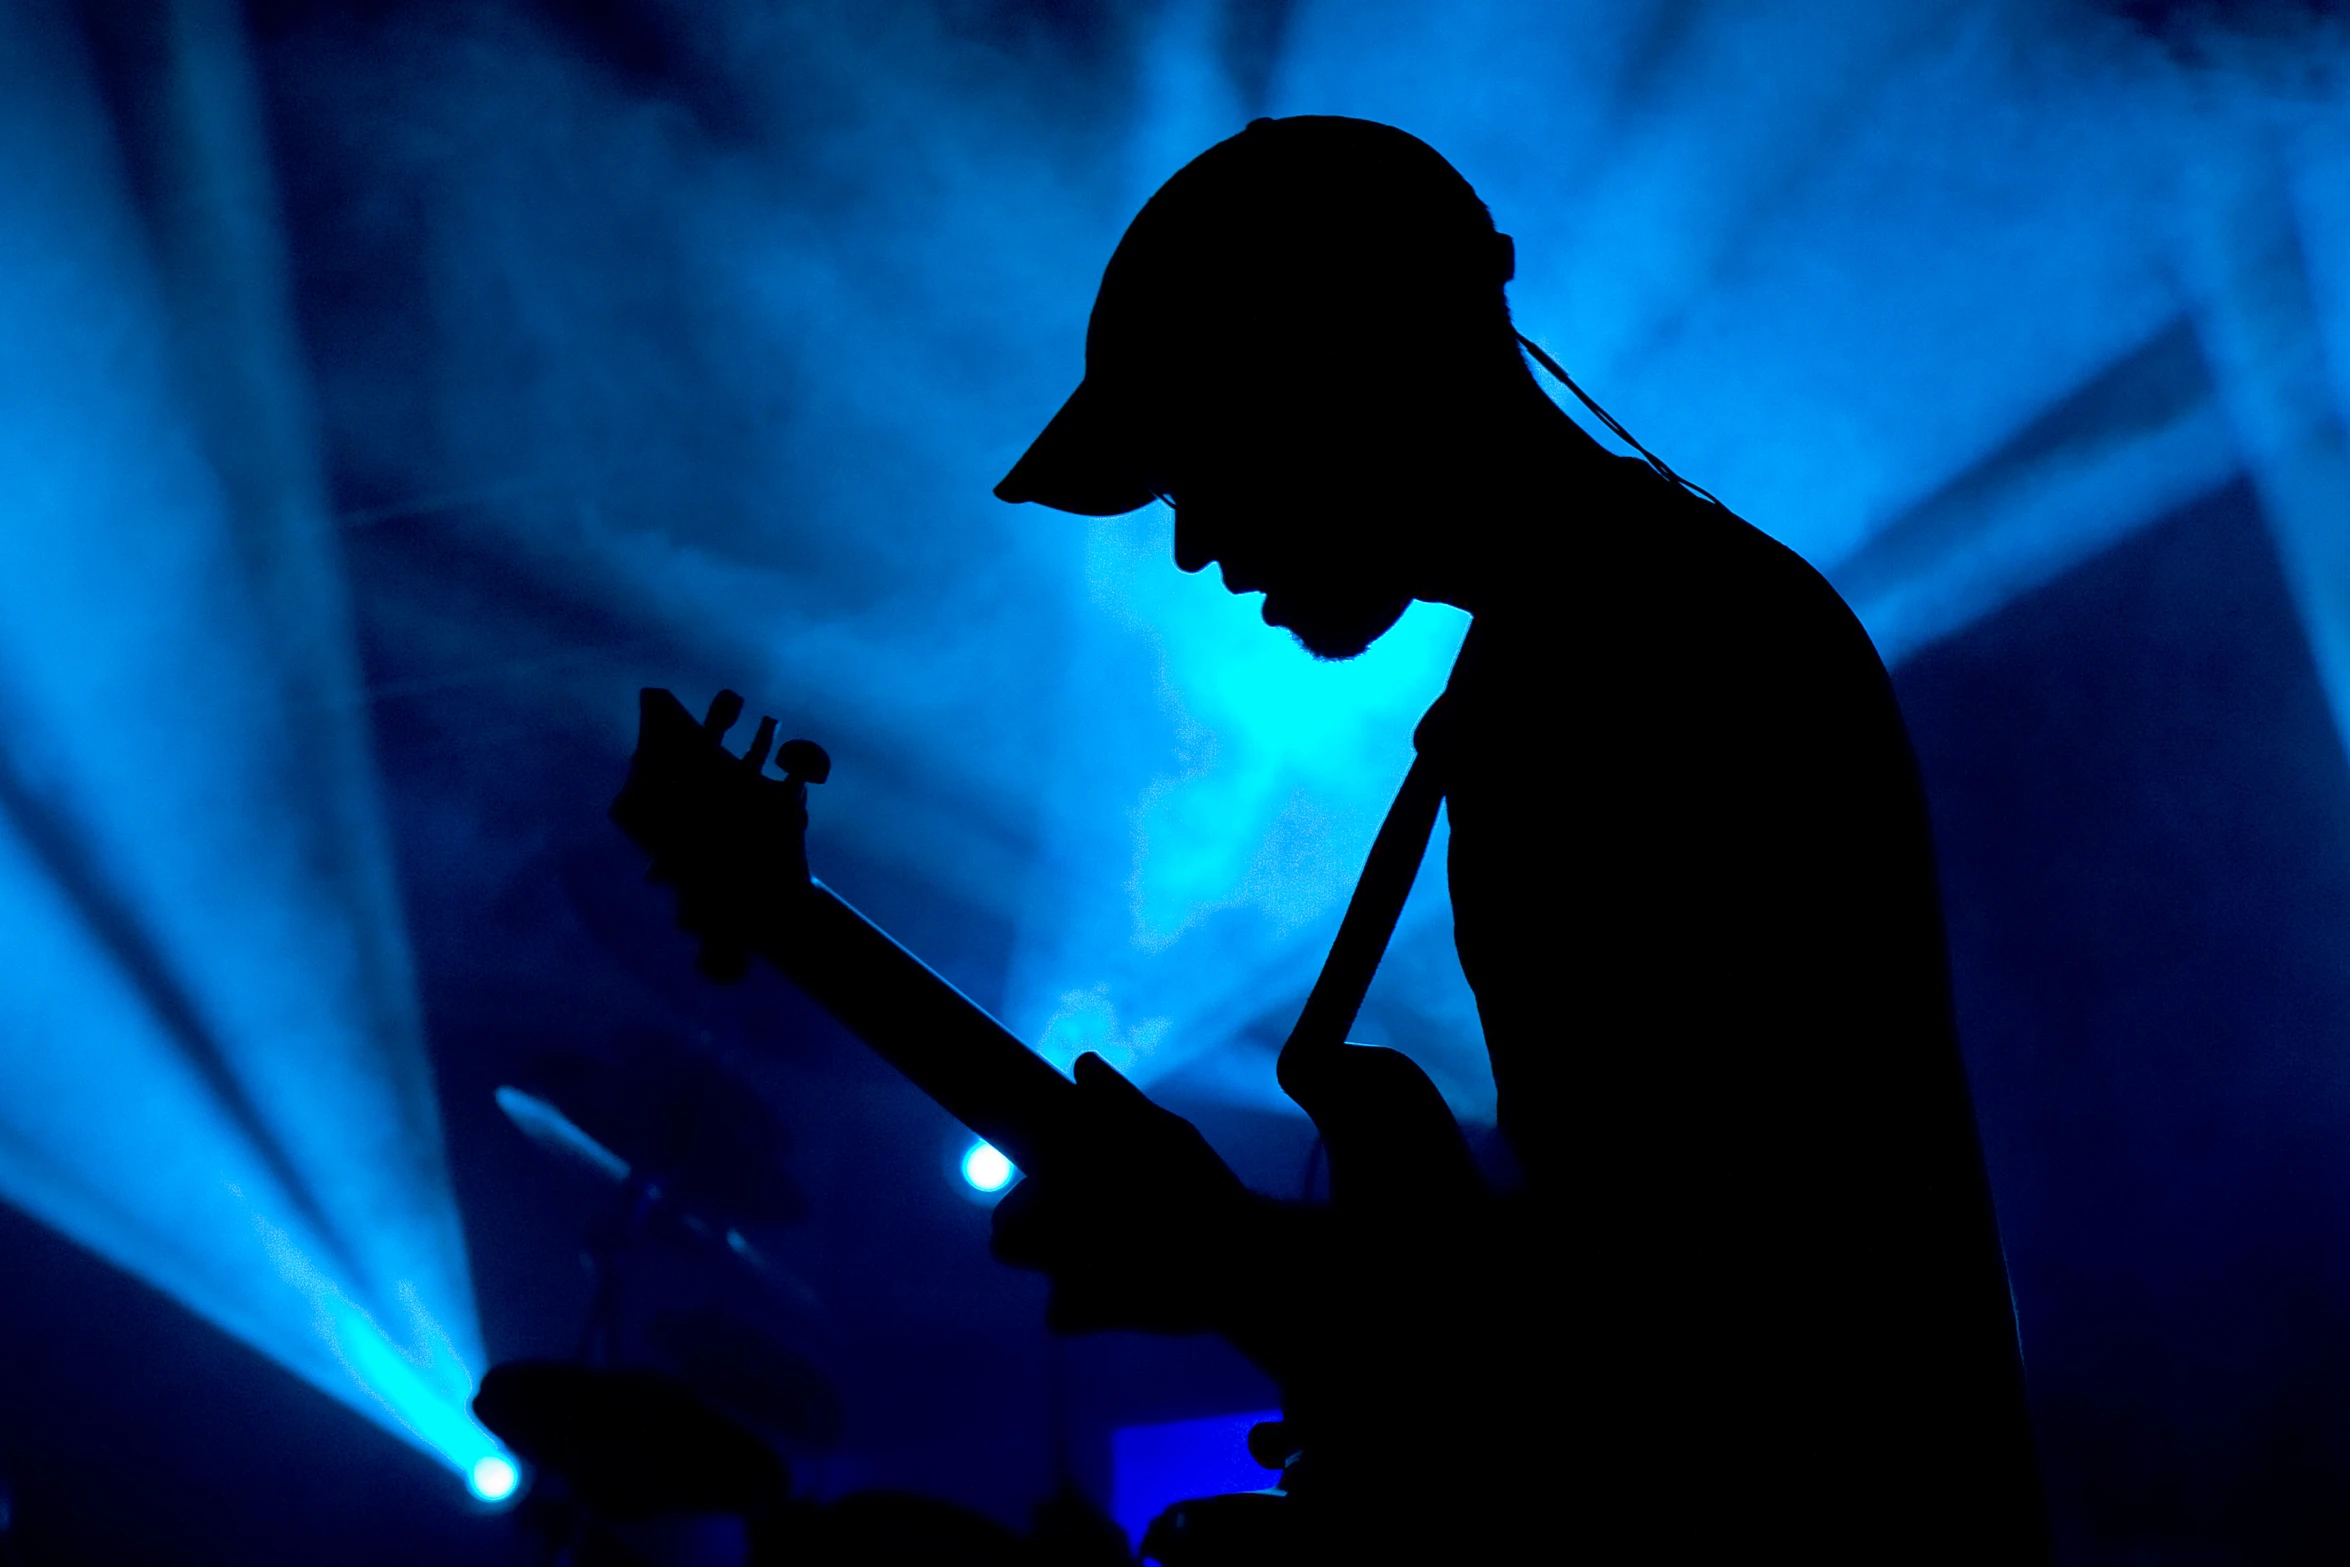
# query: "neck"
[[1496, 536]]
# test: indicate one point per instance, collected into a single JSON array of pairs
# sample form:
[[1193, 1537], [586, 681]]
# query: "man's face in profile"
[[1286, 497]]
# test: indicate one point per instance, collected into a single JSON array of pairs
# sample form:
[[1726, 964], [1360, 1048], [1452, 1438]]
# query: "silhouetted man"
[[1749, 1297]]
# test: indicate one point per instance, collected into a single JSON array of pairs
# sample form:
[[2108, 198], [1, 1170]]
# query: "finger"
[[1035, 1227], [1019, 1230], [756, 757], [1098, 1076], [725, 708]]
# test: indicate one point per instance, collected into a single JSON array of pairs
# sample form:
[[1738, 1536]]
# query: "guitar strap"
[[1370, 918], [1378, 898]]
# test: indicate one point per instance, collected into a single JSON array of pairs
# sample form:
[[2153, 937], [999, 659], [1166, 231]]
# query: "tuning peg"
[[725, 708], [804, 761], [756, 757]]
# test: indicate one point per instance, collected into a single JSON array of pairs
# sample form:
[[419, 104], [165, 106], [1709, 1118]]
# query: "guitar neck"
[[973, 1067]]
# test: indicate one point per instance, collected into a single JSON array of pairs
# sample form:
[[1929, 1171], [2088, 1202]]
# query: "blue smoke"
[[728, 339]]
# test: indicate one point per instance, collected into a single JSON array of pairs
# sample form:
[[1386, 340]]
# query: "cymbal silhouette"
[[747, 1371], [680, 1120], [628, 1442]]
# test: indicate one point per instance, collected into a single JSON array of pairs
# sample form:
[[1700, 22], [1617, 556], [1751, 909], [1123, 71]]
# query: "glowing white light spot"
[[494, 1478], [986, 1169]]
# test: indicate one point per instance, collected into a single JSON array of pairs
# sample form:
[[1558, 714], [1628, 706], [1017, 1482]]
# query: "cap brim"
[[1085, 461]]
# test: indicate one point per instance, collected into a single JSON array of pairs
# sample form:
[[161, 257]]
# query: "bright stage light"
[[986, 1169], [494, 1479]]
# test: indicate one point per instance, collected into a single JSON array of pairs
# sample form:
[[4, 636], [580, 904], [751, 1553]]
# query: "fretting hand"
[[1138, 1224], [727, 836]]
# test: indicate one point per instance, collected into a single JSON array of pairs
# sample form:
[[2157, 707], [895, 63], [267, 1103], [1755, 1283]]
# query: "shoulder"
[[1773, 632], [1723, 564], [1633, 568], [1664, 619]]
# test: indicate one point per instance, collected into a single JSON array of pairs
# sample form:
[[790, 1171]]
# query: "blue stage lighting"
[[1155, 1466], [214, 1073], [986, 1169], [494, 1479]]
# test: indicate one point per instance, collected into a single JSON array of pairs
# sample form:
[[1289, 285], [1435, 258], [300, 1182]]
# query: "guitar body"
[[1398, 1368]]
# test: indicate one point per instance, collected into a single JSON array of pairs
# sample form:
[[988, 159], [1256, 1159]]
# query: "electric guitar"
[[731, 839]]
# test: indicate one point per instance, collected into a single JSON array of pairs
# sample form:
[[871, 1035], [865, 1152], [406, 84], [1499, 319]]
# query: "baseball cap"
[[1285, 233]]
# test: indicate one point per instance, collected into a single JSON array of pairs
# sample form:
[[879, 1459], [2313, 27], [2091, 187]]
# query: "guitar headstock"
[[731, 839]]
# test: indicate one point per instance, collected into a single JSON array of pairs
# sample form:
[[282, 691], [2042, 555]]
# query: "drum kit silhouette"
[[682, 1414], [671, 1415]]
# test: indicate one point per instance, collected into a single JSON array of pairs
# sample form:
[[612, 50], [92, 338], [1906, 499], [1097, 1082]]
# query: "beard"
[[1335, 626]]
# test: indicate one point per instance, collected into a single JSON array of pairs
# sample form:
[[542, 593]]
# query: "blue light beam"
[[212, 1072], [1850, 267]]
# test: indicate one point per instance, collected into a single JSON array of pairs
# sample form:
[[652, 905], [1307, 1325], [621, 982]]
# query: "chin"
[[1338, 630]]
